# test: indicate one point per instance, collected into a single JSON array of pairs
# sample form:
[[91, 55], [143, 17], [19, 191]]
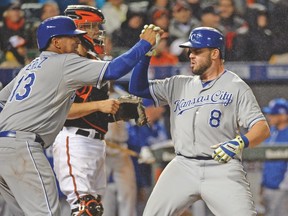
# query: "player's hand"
[[152, 34], [108, 106], [146, 156], [224, 152]]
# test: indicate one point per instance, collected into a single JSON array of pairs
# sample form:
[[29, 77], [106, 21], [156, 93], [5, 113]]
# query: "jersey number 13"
[[23, 88]]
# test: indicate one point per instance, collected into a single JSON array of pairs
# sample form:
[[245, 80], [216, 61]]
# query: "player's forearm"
[[79, 110], [258, 133], [139, 84], [123, 64]]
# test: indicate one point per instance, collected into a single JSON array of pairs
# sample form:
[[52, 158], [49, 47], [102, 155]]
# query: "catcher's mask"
[[90, 19]]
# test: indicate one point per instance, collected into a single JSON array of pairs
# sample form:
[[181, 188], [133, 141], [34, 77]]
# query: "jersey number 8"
[[215, 116]]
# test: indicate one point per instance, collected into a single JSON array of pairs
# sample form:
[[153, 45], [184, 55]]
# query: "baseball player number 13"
[[29, 81]]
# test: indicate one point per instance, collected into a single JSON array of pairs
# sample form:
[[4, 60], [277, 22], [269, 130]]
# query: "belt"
[[12, 134], [87, 134], [196, 157]]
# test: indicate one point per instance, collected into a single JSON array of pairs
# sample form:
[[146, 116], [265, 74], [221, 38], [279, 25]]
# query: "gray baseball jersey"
[[204, 116], [38, 100]]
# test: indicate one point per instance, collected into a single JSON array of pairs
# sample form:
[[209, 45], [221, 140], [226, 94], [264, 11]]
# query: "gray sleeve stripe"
[[101, 75], [254, 121], [2, 104], [153, 94]]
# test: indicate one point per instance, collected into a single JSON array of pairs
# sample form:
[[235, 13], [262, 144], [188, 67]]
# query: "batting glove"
[[224, 152], [152, 51]]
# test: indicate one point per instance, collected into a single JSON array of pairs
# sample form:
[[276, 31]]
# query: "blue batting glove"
[[224, 152]]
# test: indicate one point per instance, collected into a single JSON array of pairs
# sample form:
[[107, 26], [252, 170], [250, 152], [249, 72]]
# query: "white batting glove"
[[152, 51], [146, 156], [224, 152]]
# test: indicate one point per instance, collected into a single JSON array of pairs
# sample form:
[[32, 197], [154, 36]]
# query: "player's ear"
[[55, 42], [215, 53]]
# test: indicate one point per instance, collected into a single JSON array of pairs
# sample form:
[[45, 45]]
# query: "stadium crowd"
[[255, 30]]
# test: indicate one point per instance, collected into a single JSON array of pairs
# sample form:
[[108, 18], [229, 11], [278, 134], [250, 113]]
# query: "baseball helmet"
[[84, 15], [55, 26], [206, 37], [276, 106]]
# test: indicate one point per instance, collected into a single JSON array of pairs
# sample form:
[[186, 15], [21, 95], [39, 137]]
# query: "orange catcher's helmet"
[[91, 19]]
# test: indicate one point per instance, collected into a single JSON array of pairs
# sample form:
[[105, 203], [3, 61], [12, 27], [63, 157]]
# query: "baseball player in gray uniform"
[[214, 116], [37, 103]]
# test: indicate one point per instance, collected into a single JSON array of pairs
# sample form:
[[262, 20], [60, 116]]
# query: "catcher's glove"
[[131, 107]]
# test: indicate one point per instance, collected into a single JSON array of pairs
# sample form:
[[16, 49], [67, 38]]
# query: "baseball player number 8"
[[215, 118], [30, 78]]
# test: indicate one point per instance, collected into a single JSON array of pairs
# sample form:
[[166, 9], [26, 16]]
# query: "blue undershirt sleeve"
[[124, 63], [139, 84]]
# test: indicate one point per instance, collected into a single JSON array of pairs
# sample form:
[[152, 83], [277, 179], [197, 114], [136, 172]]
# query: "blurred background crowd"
[[255, 30]]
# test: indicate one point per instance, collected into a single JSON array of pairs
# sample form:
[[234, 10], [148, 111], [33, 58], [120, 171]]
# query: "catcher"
[[79, 149]]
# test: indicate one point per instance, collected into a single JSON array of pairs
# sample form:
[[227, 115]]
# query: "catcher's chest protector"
[[96, 120]]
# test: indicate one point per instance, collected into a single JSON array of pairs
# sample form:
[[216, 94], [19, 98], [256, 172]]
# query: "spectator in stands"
[[16, 54], [163, 57], [274, 193], [259, 37], [235, 30], [126, 36], [13, 24], [115, 12], [64, 3], [182, 20], [48, 9], [279, 26], [4, 5], [196, 7], [210, 18], [180, 27], [161, 18], [100, 3], [157, 5]]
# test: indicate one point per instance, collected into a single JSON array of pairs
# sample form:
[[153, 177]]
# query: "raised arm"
[[139, 84], [124, 63]]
